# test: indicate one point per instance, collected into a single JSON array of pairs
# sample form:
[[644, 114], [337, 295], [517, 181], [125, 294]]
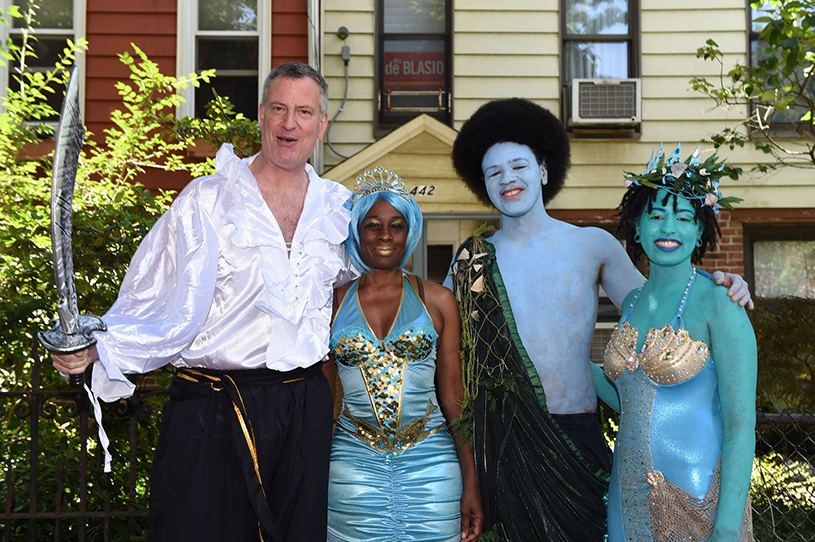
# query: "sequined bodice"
[[667, 356], [389, 396], [671, 428]]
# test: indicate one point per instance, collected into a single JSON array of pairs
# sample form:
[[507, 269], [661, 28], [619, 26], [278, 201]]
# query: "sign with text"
[[414, 71]]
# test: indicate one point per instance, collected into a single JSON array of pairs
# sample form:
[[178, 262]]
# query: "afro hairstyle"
[[512, 121]]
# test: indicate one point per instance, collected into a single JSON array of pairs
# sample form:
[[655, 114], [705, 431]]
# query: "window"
[[780, 261], [413, 62], [599, 40], [57, 21], [780, 120], [234, 38]]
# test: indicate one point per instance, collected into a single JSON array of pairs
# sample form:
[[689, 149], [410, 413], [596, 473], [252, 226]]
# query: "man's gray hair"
[[297, 70]]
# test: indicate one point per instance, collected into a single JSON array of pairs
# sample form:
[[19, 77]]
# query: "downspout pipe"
[[314, 35]]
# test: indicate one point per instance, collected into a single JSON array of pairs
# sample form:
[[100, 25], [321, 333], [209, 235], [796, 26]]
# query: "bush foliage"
[[786, 353], [112, 213]]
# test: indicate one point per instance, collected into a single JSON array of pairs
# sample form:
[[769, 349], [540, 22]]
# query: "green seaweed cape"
[[534, 485]]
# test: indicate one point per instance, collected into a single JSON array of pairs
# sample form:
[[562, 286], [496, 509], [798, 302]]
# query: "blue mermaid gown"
[[667, 458], [395, 474]]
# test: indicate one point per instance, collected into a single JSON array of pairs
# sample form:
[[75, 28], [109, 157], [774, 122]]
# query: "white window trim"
[[80, 11], [185, 48]]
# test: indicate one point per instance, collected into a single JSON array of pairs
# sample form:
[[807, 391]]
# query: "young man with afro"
[[528, 295]]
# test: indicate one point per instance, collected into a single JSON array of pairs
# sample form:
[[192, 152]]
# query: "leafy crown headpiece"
[[378, 179], [688, 179]]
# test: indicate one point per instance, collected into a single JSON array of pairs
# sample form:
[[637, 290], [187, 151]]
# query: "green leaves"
[[112, 212], [776, 92], [221, 125]]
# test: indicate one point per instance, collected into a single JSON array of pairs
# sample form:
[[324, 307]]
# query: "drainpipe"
[[314, 35]]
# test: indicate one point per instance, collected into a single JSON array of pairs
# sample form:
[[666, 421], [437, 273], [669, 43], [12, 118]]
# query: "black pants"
[[203, 471], [587, 436]]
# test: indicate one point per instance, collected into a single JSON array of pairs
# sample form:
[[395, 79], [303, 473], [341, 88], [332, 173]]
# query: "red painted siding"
[[112, 25], [289, 31]]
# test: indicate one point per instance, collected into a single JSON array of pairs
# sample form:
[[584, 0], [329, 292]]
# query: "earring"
[[699, 242], [637, 237]]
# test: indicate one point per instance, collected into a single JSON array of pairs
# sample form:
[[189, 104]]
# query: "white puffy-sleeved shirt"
[[212, 284]]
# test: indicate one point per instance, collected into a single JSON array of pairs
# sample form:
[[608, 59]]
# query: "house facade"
[[407, 73], [549, 51]]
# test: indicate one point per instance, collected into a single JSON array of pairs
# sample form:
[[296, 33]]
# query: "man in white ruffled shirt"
[[233, 286]]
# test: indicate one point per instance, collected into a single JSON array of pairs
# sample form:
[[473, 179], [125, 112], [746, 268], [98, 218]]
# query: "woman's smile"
[[667, 245]]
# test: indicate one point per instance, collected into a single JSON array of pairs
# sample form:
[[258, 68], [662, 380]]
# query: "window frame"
[[756, 232], [383, 128], [186, 48], [780, 128], [634, 37], [77, 32]]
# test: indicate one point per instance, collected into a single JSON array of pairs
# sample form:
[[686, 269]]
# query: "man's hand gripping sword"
[[72, 332]]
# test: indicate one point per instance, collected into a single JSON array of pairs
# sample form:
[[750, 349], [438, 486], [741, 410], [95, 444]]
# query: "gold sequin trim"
[[621, 351], [667, 356], [398, 441]]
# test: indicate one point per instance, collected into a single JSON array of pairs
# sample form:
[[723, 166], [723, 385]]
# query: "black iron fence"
[[53, 487]]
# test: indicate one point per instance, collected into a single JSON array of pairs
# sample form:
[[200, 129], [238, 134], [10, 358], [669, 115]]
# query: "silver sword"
[[72, 331]]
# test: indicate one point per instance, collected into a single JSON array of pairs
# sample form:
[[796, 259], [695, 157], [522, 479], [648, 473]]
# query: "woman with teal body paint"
[[681, 369]]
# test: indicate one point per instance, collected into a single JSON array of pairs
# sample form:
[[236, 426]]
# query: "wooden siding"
[[112, 25], [354, 128], [289, 32], [509, 48], [504, 49]]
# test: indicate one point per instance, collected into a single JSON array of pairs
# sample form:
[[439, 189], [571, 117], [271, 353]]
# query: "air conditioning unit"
[[604, 102]]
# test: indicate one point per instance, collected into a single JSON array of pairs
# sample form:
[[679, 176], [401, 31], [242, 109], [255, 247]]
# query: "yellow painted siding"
[[504, 49], [511, 48], [654, 42], [486, 88], [691, 5], [468, 107], [353, 129], [509, 44]]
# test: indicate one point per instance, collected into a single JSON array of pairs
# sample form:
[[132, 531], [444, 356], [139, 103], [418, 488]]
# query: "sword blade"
[[70, 136], [74, 331]]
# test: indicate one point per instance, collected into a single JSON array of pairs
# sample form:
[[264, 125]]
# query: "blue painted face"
[[669, 237], [513, 177]]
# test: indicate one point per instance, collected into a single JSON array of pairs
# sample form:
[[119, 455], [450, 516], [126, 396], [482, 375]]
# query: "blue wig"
[[408, 209]]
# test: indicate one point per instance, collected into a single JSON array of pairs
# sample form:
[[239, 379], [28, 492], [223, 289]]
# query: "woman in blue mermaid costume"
[[396, 473], [680, 368]]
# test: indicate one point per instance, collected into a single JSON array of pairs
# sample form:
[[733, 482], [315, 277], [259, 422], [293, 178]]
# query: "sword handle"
[[54, 340]]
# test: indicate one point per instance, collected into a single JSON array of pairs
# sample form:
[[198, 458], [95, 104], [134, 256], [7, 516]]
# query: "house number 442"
[[423, 190]]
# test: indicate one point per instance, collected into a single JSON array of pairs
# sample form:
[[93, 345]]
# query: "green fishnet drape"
[[534, 485]]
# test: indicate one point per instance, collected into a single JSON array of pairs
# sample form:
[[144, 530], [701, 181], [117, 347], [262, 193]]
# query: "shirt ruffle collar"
[[297, 287]]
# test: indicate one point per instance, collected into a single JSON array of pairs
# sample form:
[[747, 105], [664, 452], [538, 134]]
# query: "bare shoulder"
[[586, 236], [595, 235], [717, 304], [438, 294], [595, 243]]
